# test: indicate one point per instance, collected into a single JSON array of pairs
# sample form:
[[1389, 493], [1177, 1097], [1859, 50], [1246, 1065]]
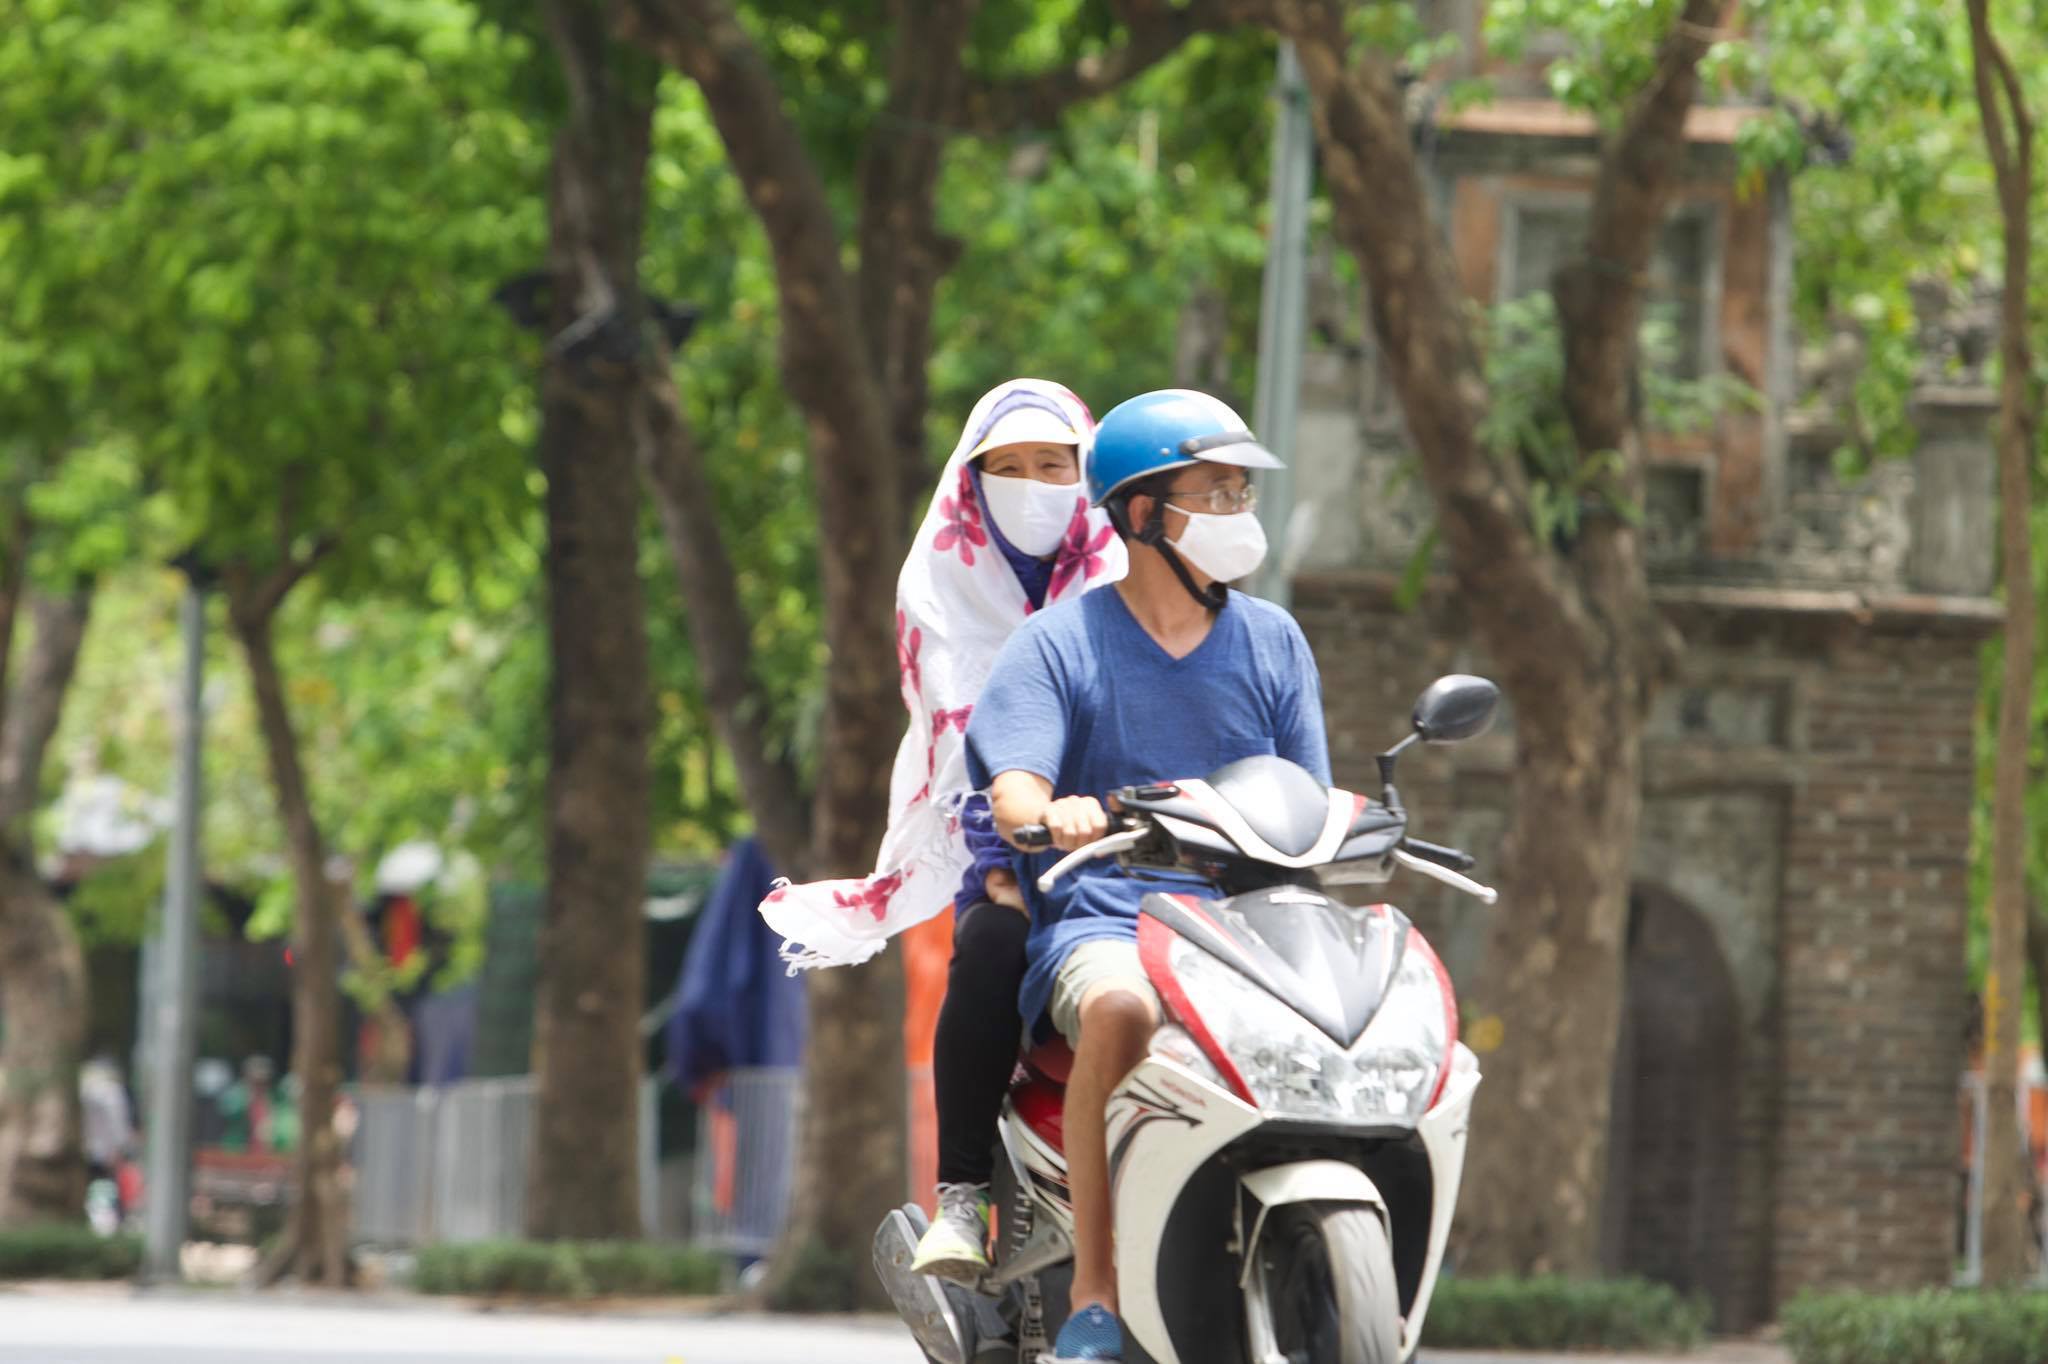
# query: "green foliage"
[[1563, 1314], [704, 245], [419, 721], [567, 1269], [1526, 418], [1081, 248], [1876, 111], [817, 1279], [1082, 252], [1607, 51], [115, 905], [66, 1250], [1919, 1328]]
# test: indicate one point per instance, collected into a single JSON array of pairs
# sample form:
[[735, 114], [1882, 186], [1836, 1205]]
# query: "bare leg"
[[1116, 1028]]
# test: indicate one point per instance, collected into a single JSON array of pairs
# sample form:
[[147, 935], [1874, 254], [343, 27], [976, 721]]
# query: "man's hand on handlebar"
[[1075, 822]]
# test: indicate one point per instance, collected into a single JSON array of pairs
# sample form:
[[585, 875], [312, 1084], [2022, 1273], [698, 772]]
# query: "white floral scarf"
[[957, 601]]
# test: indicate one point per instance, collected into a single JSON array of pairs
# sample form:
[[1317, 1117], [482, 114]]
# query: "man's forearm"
[[1018, 798]]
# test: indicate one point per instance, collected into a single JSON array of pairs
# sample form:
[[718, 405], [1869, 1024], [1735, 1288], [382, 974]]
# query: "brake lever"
[[1089, 852], [1484, 894]]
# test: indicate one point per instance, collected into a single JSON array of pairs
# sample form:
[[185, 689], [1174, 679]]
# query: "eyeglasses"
[[1217, 501]]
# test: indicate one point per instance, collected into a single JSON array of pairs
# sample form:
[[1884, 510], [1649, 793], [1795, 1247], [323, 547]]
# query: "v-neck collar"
[[1137, 627]]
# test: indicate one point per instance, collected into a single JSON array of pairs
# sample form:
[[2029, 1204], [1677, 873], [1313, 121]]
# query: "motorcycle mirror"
[[1455, 708]]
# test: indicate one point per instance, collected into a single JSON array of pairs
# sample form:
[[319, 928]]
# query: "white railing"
[[448, 1163], [1975, 1104], [746, 1154]]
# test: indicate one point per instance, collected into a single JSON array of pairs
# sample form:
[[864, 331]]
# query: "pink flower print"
[[943, 719], [907, 648], [963, 521], [1080, 555], [873, 896]]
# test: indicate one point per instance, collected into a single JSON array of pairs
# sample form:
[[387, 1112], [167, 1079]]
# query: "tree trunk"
[[42, 969], [719, 635], [903, 255], [853, 358], [314, 1247], [1570, 633], [583, 1182], [851, 1167], [2002, 101]]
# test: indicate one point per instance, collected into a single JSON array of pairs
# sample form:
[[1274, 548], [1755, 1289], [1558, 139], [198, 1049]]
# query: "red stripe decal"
[[1154, 940], [1443, 980]]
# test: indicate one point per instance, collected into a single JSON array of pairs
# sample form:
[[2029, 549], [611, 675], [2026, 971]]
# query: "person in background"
[[245, 1108], [1008, 533], [108, 1133]]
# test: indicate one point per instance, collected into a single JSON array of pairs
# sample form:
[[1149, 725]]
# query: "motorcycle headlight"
[[1293, 1068], [1407, 1044], [1173, 1043]]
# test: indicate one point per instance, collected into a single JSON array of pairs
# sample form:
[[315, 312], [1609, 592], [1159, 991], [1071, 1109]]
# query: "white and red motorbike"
[[1285, 1162]]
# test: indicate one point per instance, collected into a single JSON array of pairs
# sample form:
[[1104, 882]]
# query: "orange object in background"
[[927, 953], [725, 1158]]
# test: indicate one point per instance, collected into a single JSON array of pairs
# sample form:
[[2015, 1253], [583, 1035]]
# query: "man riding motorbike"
[[1171, 673]]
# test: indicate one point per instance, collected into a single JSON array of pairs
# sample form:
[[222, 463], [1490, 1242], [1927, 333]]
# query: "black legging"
[[975, 1049]]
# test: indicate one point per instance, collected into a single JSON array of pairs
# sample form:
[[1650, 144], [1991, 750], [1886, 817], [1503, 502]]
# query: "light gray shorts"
[[1095, 963]]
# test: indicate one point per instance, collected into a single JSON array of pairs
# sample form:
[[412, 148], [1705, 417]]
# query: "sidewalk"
[[1734, 1352]]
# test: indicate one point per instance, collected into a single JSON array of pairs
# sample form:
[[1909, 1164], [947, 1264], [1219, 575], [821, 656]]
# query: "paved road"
[[117, 1325], [125, 1328]]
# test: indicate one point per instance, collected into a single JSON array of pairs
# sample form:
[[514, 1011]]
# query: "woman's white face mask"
[[1226, 546], [1033, 516]]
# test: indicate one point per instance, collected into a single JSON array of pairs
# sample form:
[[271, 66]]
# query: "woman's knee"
[[990, 934]]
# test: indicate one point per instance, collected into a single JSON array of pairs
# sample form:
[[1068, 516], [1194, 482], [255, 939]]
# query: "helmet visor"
[[1240, 448]]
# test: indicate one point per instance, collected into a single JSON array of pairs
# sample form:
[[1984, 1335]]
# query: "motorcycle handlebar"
[[1031, 837], [1439, 854]]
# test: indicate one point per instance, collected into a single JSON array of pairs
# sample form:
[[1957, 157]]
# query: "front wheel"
[[1328, 1271]]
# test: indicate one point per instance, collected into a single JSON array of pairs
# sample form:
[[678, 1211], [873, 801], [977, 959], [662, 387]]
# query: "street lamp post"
[[174, 996], [1282, 298]]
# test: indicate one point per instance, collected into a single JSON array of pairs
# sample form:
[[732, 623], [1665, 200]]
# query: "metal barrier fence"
[[448, 1163], [1975, 1103], [746, 1153]]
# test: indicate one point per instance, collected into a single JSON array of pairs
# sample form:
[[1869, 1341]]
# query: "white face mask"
[[1033, 516], [1226, 547]]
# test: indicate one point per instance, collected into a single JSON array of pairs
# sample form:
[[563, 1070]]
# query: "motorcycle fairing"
[[1269, 810], [1164, 1122], [1328, 961], [1442, 1129]]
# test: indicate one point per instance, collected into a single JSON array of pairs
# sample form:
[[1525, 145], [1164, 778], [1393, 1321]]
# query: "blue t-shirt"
[[1084, 697]]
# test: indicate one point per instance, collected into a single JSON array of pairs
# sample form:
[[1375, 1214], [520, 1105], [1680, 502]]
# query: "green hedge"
[[567, 1269], [1562, 1314], [1920, 1328], [57, 1250]]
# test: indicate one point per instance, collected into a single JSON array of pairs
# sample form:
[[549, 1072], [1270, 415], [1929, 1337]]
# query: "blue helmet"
[[1169, 429]]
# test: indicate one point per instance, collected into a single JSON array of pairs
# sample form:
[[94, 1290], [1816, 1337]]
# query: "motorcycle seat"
[[1053, 1060]]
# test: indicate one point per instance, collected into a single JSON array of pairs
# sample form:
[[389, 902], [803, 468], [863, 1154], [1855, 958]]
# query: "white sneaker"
[[955, 1246]]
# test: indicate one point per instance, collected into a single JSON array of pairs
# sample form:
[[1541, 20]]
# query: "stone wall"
[[1808, 798], [1809, 775]]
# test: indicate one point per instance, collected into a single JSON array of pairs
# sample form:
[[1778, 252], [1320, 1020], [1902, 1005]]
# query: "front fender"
[[1313, 1181]]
